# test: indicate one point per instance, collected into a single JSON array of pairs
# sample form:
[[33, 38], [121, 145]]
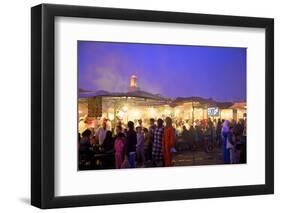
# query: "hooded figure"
[[224, 135]]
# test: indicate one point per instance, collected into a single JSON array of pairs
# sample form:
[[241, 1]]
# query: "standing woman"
[[131, 142], [140, 146], [191, 137], [168, 142], [197, 136], [147, 152], [224, 135], [150, 135], [218, 132]]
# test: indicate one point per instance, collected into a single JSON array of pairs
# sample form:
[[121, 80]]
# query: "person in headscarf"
[[224, 135], [168, 142]]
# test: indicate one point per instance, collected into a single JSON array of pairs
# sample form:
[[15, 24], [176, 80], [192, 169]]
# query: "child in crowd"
[[119, 147]]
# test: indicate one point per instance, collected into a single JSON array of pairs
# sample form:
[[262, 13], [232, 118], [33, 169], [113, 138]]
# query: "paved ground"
[[189, 158], [193, 158]]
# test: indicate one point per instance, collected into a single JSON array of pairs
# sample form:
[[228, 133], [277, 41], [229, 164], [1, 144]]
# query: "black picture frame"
[[43, 117]]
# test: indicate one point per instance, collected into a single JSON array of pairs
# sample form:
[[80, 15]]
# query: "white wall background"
[[15, 105]]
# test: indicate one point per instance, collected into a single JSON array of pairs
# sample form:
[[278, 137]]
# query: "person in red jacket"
[[168, 142]]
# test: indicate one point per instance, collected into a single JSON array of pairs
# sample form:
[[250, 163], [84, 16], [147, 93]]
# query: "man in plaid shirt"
[[150, 139], [157, 152]]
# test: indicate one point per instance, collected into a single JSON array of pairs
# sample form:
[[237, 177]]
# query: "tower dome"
[[133, 86]]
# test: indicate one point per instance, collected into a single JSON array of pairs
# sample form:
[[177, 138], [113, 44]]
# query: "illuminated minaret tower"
[[133, 84]]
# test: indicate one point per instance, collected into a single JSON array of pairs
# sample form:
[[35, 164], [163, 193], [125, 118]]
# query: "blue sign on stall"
[[213, 111]]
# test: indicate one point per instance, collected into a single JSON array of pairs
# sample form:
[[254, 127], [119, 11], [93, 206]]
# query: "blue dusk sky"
[[170, 70]]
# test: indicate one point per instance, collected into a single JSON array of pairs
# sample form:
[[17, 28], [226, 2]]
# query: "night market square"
[[154, 105]]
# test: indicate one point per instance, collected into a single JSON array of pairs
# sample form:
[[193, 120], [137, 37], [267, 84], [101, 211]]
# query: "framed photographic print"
[[140, 106]]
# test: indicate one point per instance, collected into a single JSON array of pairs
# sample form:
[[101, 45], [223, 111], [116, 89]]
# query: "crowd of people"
[[134, 145], [207, 134]]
